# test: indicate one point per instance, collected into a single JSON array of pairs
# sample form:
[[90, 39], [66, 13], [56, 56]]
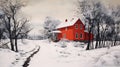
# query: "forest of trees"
[[103, 22]]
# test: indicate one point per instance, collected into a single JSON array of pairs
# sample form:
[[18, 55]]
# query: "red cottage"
[[72, 30]]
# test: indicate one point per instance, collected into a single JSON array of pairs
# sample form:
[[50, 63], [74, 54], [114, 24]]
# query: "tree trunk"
[[96, 46], [89, 36], [97, 36], [88, 46], [10, 35], [115, 42], [16, 47], [104, 45], [12, 45], [100, 45]]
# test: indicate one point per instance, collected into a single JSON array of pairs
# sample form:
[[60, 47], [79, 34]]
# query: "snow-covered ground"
[[60, 54], [9, 58], [54, 55]]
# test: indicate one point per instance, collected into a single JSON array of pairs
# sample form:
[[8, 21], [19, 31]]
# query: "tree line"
[[103, 22]]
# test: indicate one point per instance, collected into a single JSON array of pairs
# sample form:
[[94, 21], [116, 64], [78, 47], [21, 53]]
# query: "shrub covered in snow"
[[62, 44], [78, 44]]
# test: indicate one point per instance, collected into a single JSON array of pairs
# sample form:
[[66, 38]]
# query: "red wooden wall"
[[70, 32]]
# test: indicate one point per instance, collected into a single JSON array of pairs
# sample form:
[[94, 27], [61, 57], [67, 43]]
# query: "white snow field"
[[64, 54], [60, 54], [9, 58]]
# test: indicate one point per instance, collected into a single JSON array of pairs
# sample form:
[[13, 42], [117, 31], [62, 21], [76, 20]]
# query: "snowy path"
[[10, 58], [52, 56], [43, 58], [29, 58]]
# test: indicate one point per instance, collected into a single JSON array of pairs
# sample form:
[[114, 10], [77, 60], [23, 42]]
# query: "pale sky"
[[37, 10]]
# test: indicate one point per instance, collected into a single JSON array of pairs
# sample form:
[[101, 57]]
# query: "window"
[[64, 35], [80, 26], [81, 36], [76, 26], [76, 35]]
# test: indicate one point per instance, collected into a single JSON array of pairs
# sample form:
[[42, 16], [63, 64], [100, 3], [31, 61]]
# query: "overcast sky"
[[37, 10]]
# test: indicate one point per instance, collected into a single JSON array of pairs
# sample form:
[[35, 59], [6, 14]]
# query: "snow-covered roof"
[[68, 23], [86, 30], [56, 31]]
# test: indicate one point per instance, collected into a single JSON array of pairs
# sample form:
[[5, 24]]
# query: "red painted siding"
[[71, 31], [66, 33], [87, 36], [78, 30]]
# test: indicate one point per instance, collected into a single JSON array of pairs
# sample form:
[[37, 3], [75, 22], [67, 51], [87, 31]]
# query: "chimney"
[[66, 20]]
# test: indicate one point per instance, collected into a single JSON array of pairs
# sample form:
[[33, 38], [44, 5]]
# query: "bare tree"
[[96, 15], [92, 11], [83, 7], [115, 14], [1, 32], [15, 24]]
